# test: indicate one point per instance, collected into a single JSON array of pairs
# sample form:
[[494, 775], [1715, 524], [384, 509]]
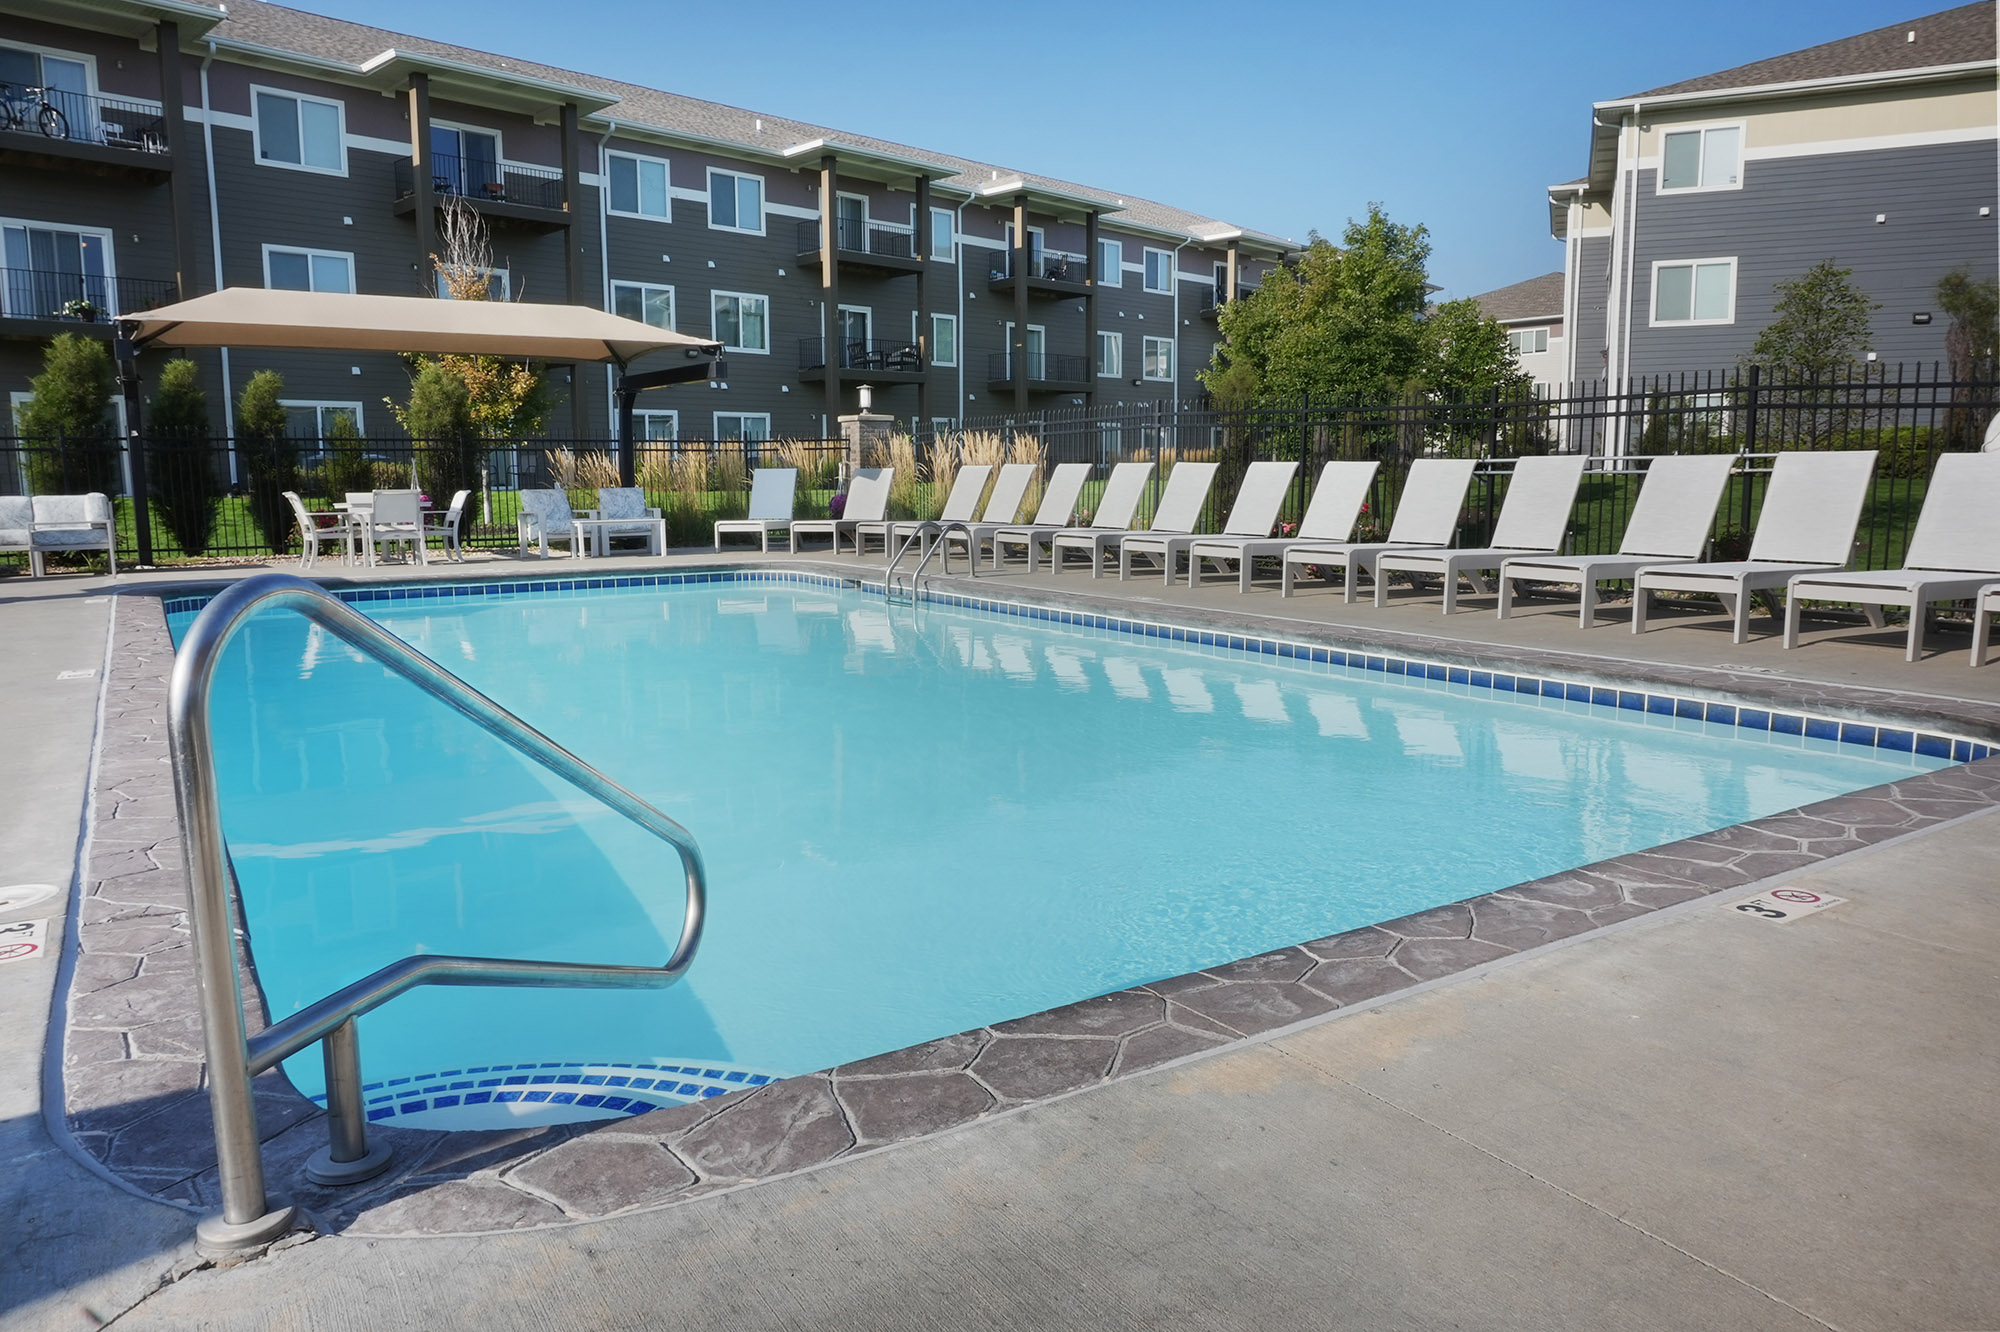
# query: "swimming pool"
[[915, 823]]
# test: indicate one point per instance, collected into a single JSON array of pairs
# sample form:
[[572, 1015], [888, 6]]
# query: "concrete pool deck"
[[1199, 1217]]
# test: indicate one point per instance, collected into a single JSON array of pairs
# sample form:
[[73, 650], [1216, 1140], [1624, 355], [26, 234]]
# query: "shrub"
[[180, 461], [270, 460], [345, 468], [69, 419], [439, 418]]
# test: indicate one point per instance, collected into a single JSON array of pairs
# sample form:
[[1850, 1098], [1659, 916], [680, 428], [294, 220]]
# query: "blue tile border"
[[621, 1089], [1905, 740]]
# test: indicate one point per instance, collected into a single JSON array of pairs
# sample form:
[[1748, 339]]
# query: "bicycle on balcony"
[[22, 107]]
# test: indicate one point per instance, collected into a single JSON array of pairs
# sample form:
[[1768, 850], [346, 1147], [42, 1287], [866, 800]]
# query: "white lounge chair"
[[1178, 511], [1811, 508], [960, 506], [396, 518], [1330, 516], [70, 522], [1057, 508], [1426, 515], [1003, 508], [17, 526], [1115, 507], [445, 529], [318, 529], [1534, 518], [772, 491], [1252, 515], [546, 516], [622, 511], [867, 501], [1984, 606], [1669, 525], [1954, 553]]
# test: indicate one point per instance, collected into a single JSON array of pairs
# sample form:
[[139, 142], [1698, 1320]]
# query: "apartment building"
[[152, 150], [1876, 151], [1532, 314]]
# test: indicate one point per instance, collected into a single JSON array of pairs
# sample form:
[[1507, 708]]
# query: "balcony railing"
[[868, 354], [1051, 264], [485, 181], [108, 122], [1045, 367], [856, 236], [35, 293]]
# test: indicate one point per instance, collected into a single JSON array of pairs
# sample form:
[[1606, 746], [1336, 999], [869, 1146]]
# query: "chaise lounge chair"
[[960, 506], [1252, 515], [1003, 508], [772, 490], [1811, 508], [1534, 518], [1115, 508], [1178, 511], [1669, 525], [867, 501], [1954, 553], [1983, 608], [1426, 515], [1330, 517]]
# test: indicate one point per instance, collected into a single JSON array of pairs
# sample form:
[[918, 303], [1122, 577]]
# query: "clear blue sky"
[[1286, 117]]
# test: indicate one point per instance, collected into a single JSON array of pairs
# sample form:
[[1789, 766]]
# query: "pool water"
[[914, 823]]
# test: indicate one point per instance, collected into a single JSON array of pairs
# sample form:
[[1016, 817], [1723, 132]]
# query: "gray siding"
[[1592, 281]]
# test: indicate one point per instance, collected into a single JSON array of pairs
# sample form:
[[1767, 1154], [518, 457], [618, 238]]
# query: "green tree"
[[1820, 328], [68, 423], [1971, 348], [448, 443], [348, 467], [270, 459], [180, 462]]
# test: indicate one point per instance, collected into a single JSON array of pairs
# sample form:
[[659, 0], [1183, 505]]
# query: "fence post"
[[128, 380], [1750, 439]]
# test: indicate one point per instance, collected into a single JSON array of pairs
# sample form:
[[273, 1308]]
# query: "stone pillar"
[[863, 433]]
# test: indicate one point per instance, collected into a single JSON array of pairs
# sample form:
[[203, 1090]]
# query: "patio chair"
[[1058, 506], [1984, 605], [319, 529], [1113, 519], [1953, 554], [1330, 516], [1669, 525], [546, 516], [772, 490], [396, 518], [867, 501], [1426, 515], [622, 512], [72, 522], [17, 526], [1534, 518], [446, 529], [1178, 511], [1003, 508], [1252, 515], [960, 506], [1811, 508]]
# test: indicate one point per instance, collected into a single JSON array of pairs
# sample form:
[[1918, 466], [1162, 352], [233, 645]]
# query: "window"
[[735, 203], [944, 339], [647, 304], [639, 187], [466, 162], [301, 132], [1110, 442], [1159, 358], [1695, 291], [1110, 355], [656, 425], [316, 420], [497, 288], [1159, 271], [1703, 159], [742, 323], [308, 270], [1110, 263], [65, 82], [48, 268], [1526, 341], [749, 426], [944, 236]]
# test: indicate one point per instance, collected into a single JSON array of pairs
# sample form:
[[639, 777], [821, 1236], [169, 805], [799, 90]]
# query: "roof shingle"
[[1951, 37], [1537, 298]]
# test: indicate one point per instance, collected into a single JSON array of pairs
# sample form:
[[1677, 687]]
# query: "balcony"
[[499, 189], [862, 245], [47, 127], [1050, 273], [875, 360], [1047, 373], [46, 302], [1211, 305]]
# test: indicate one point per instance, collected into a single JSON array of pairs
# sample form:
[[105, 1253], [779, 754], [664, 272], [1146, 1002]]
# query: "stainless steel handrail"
[[250, 1218], [934, 532]]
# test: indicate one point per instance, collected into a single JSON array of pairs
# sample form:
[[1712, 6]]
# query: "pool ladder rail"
[[250, 1218], [929, 537]]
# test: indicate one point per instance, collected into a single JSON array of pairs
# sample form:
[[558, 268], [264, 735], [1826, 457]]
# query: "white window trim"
[[769, 333], [321, 404], [930, 351], [1173, 360], [951, 229], [506, 276], [665, 166], [763, 200], [1653, 319], [1117, 371], [672, 413], [499, 143], [257, 131], [645, 287], [1115, 276], [715, 425], [353, 283], [109, 238], [1742, 152], [1144, 283], [867, 310]]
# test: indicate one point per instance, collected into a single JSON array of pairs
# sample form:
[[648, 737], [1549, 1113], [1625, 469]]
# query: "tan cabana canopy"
[[336, 321]]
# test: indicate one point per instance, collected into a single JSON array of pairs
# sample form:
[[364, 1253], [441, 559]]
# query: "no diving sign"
[[1783, 905], [23, 940]]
